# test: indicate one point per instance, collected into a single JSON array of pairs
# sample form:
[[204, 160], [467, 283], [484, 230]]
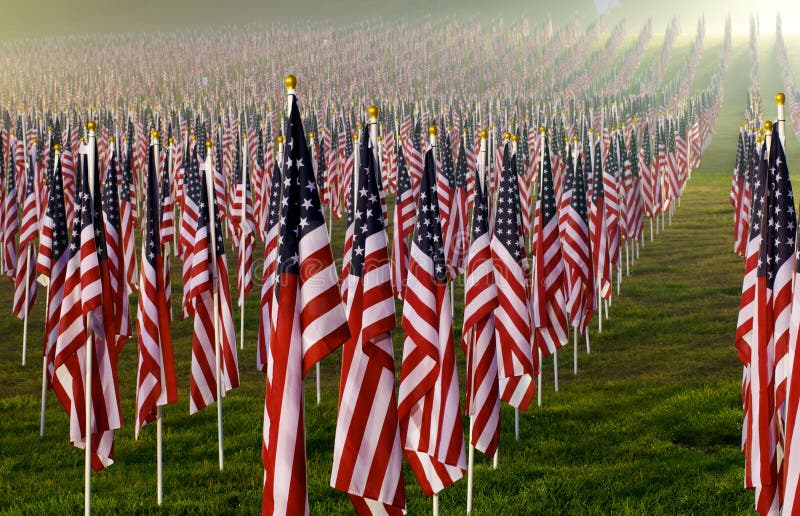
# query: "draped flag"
[[83, 318], [307, 323], [428, 404], [156, 385], [482, 400], [516, 365], [403, 226], [367, 457]]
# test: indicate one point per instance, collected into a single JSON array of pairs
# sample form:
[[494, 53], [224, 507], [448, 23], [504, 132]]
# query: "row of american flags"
[[535, 222], [765, 235]]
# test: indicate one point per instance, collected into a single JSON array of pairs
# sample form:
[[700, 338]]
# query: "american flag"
[[633, 194], [344, 284], [156, 385], [190, 213], [10, 225], [129, 220], [428, 403], [405, 217], [576, 249], [445, 190], [611, 203], [116, 264], [516, 365], [367, 459], [412, 155], [270, 266], [82, 318], [25, 273], [166, 200], [213, 319], [482, 400], [243, 227], [648, 173], [306, 324], [741, 197], [461, 214], [549, 305], [52, 262], [782, 226], [598, 231], [68, 170]]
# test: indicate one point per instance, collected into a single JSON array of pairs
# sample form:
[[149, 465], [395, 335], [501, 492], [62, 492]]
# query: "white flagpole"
[[436, 504], [241, 241], [317, 368], [87, 469], [780, 99], [159, 467], [211, 200], [575, 351], [470, 466], [555, 369], [28, 272], [159, 457]]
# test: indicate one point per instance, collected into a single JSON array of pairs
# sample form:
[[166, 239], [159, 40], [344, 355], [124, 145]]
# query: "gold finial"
[[542, 129], [280, 139], [35, 140], [311, 134], [171, 140], [111, 139], [244, 137], [768, 126], [154, 134], [194, 138], [575, 138], [484, 133], [355, 137], [399, 137], [380, 138], [514, 138], [780, 98], [125, 138], [208, 144], [373, 111], [506, 135], [432, 130], [83, 141], [92, 126], [290, 81], [57, 148]]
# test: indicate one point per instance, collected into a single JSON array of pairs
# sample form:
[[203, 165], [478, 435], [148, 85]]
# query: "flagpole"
[[27, 302], [543, 142], [242, 266], [159, 466], [211, 202], [87, 468], [470, 465], [575, 351], [432, 131], [780, 99]]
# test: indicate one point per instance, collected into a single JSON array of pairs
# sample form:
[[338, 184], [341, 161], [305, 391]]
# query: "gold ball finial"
[[432, 130], [514, 138], [36, 140], [311, 134], [194, 138], [373, 111], [154, 134], [280, 139], [111, 139], [780, 98], [208, 144], [92, 126], [290, 81], [574, 138], [244, 137], [506, 135], [57, 148], [171, 140], [355, 137], [542, 129], [484, 133], [380, 138], [768, 126]]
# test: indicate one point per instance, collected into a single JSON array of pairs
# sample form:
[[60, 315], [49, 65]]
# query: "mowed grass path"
[[651, 424]]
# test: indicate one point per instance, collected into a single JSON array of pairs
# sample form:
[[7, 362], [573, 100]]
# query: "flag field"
[[651, 424]]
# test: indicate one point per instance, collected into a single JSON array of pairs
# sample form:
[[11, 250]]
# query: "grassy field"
[[651, 424]]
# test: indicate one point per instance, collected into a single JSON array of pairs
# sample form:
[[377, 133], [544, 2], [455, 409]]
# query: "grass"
[[651, 424]]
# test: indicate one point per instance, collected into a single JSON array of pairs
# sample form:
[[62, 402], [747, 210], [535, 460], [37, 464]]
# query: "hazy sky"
[[23, 18]]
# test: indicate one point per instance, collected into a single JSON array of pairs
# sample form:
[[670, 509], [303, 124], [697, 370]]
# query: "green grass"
[[651, 424]]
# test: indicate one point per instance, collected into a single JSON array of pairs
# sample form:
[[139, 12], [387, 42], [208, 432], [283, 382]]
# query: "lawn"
[[651, 424]]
